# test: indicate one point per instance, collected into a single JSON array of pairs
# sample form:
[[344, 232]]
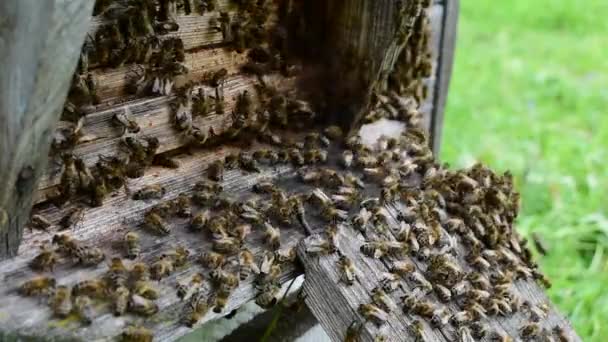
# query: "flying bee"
[[145, 289], [37, 286], [137, 334], [117, 274], [530, 331], [285, 255], [125, 120], [247, 264], [132, 243], [161, 268], [140, 272], [84, 308], [215, 170], [154, 191], [272, 236], [373, 313], [226, 245], [39, 222], [155, 223], [45, 260], [349, 272], [72, 217], [211, 259], [61, 302], [142, 306], [195, 310], [267, 297], [94, 288]]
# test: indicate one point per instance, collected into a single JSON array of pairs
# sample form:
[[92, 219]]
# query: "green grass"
[[529, 94]]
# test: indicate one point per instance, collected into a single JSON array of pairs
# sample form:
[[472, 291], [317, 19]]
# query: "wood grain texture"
[[104, 227], [37, 58]]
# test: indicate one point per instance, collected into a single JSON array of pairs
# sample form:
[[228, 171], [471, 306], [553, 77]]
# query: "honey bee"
[[37, 286], [200, 221], [353, 332], [155, 223], [61, 302], [272, 236], [349, 272], [417, 329], [224, 279], [373, 313], [195, 310], [39, 222], [361, 219], [479, 330], [464, 334], [117, 274], [247, 264], [179, 256], [84, 308], [389, 281], [461, 317], [90, 256], [182, 206], [285, 255], [140, 272], [132, 243], [496, 336], [347, 159], [137, 334], [226, 245], [154, 191], [382, 300], [145, 289], [443, 293], [125, 121], [45, 260], [215, 170], [211, 259], [403, 268], [220, 299], [95, 288], [72, 217], [267, 297], [561, 333], [142, 306], [440, 317], [315, 244], [161, 268]]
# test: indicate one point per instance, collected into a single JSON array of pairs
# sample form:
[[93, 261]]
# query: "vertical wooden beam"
[[40, 43], [444, 69]]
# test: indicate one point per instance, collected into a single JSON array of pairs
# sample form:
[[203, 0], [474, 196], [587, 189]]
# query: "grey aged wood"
[[335, 305], [40, 43]]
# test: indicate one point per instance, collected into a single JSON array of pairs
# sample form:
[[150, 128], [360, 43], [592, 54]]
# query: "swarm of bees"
[[411, 212]]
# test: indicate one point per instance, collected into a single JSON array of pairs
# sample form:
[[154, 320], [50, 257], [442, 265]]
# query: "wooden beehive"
[[340, 57]]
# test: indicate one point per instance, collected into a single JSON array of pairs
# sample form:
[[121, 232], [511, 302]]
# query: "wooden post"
[[40, 42]]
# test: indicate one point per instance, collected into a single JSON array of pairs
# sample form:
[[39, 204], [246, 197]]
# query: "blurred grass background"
[[529, 94]]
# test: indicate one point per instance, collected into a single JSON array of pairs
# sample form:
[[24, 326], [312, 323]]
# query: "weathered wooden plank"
[[104, 227], [37, 58]]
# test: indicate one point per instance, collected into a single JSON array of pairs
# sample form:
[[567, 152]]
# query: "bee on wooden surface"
[[161, 268], [479, 330], [45, 260], [61, 302], [178, 256], [125, 121], [373, 313], [226, 245], [381, 299], [346, 160], [247, 264], [145, 289], [90, 256], [142, 306], [155, 191], [389, 281], [165, 161], [137, 334], [268, 296], [199, 222], [440, 317], [530, 331], [461, 318], [133, 247], [211, 259], [215, 170], [417, 329], [562, 334], [361, 219], [272, 236], [155, 223], [316, 244], [424, 308], [380, 248], [248, 163], [224, 279], [39, 222], [443, 293], [196, 309], [37, 286], [464, 334], [353, 332], [285, 255], [241, 232], [140, 272], [117, 274], [66, 244], [94, 288], [496, 336], [347, 267], [182, 206], [267, 262], [403, 268], [72, 217], [83, 307]]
